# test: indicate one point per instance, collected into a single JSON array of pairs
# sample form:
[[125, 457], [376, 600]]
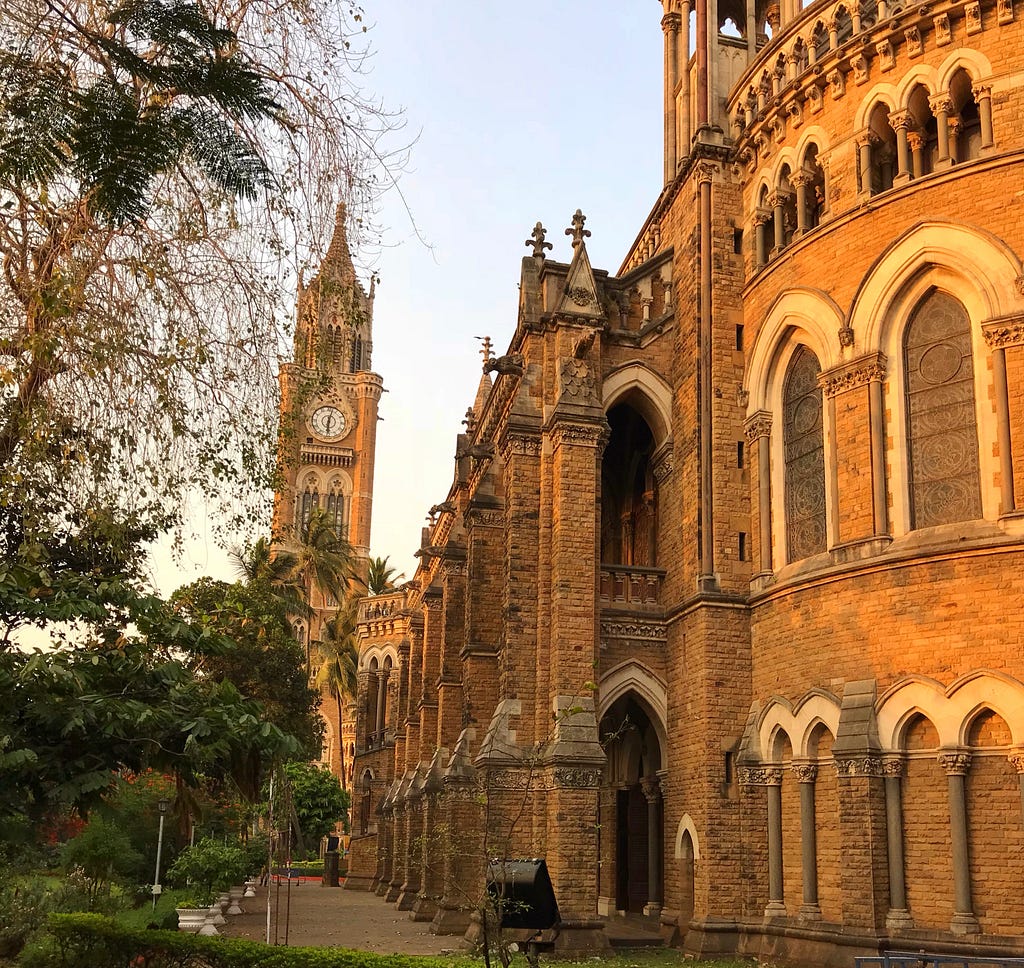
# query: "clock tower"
[[329, 398]]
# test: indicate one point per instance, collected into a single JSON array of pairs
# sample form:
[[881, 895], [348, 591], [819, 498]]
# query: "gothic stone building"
[[721, 614]]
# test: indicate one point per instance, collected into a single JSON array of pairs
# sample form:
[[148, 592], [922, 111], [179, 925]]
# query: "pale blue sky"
[[524, 112]]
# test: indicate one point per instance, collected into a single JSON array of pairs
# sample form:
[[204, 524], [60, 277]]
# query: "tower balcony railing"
[[631, 587]]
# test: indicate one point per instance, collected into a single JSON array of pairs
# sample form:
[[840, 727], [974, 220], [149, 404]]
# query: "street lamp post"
[[162, 804]]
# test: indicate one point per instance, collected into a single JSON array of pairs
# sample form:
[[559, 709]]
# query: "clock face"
[[328, 422]]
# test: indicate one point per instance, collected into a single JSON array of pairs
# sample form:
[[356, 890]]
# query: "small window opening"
[[739, 336], [740, 455]]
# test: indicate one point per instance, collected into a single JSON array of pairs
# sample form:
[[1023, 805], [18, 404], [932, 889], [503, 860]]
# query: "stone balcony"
[[629, 588]]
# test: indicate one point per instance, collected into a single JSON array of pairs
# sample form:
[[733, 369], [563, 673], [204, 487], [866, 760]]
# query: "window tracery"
[[942, 432], [804, 457]]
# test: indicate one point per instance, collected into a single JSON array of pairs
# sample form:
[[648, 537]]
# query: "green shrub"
[[91, 941], [209, 867], [101, 855], [23, 905]]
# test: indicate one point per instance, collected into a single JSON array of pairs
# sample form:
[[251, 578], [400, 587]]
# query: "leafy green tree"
[[167, 168], [208, 867], [318, 799], [382, 577], [338, 649], [117, 692], [262, 659]]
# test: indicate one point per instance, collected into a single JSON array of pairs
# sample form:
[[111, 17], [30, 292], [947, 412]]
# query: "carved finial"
[[485, 349], [578, 232], [470, 420], [537, 241]]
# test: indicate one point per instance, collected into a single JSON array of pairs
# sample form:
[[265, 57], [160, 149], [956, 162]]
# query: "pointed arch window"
[[804, 446], [942, 431], [336, 510], [308, 500]]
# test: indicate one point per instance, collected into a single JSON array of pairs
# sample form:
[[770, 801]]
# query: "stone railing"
[[623, 586]]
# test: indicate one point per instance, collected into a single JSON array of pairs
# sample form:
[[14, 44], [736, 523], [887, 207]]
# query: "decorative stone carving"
[[577, 778], [580, 295], [577, 231], [1005, 331], [816, 98], [893, 766], [651, 787], [645, 631], [886, 55], [578, 380], [706, 173], [915, 45], [537, 241], [859, 766], [1004, 11], [664, 467], [901, 120], [521, 445], [453, 567], [941, 104], [760, 776], [805, 772], [519, 780], [485, 518], [943, 31], [1016, 758], [795, 110], [972, 17], [955, 762], [758, 425], [854, 374], [511, 364], [846, 336], [861, 68], [837, 83]]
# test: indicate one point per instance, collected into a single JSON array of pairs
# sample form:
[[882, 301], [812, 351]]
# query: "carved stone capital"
[[758, 425], [955, 762], [671, 22], [857, 373], [651, 787], [805, 772], [901, 120], [893, 765], [981, 89], [453, 567], [762, 217], [801, 179], [1004, 331], [706, 173], [778, 198], [941, 104], [866, 139], [594, 435]]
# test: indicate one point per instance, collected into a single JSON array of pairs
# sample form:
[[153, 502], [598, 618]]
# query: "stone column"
[[983, 95], [942, 107], [670, 27], [651, 787], [899, 916], [876, 407], [865, 141], [1016, 758], [806, 775], [761, 220], [916, 144], [382, 702], [771, 777], [751, 28], [778, 200], [800, 180], [956, 763], [758, 428], [901, 122], [707, 580], [955, 127], [998, 337], [683, 66]]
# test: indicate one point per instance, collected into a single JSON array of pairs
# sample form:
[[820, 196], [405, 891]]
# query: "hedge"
[[93, 941]]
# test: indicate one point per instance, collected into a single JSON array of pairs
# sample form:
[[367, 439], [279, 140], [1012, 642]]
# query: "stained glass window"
[[942, 433], [804, 445]]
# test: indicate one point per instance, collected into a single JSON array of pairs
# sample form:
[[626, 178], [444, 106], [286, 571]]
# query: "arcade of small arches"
[[934, 119], [336, 345], [923, 343], [377, 672], [952, 753]]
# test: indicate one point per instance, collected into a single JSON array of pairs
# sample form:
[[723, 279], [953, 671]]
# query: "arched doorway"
[[634, 762]]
